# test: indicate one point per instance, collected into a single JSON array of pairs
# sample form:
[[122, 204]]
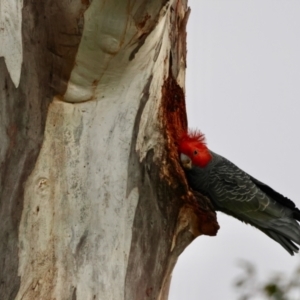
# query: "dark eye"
[[195, 152]]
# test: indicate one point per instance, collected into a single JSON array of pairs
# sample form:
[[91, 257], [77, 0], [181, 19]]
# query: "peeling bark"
[[94, 203]]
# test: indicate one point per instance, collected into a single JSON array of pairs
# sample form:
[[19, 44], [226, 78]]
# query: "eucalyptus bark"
[[93, 201]]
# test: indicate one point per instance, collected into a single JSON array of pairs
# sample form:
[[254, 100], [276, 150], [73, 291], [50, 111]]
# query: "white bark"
[[11, 37], [76, 224], [75, 232]]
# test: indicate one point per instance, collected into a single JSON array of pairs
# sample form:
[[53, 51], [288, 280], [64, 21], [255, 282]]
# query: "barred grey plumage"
[[238, 194]]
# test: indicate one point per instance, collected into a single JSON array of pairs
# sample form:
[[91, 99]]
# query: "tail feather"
[[287, 244], [285, 231], [287, 227]]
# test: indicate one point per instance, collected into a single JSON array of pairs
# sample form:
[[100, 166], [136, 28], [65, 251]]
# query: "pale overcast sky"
[[243, 92]]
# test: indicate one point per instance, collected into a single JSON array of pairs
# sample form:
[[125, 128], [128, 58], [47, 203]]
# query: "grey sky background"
[[243, 92]]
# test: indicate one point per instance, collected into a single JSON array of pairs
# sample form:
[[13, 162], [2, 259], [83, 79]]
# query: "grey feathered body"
[[236, 193]]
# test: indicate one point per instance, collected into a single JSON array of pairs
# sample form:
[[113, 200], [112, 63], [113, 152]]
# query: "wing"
[[277, 197], [233, 192], [236, 193]]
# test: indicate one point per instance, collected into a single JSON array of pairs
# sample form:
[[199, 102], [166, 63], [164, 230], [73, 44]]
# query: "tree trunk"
[[94, 203]]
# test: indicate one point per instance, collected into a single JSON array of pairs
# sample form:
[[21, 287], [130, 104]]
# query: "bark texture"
[[45, 70], [94, 203]]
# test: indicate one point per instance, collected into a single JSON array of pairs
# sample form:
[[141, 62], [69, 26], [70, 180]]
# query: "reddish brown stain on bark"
[[142, 23], [95, 83], [149, 292], [85, 2], [175, 122], [207, 219], [173, 115], [174, 111]]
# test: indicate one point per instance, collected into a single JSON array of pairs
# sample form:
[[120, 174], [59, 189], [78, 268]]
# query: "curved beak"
[[185, 161]]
